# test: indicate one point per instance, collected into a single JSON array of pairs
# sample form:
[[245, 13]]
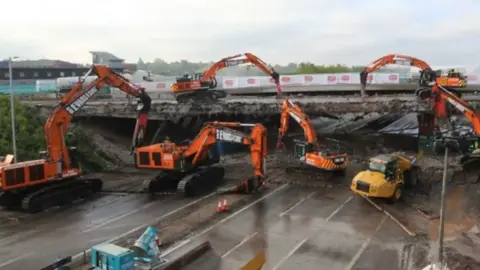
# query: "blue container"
[[112, 257]]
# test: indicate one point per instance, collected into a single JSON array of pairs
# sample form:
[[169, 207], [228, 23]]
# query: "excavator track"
[[202, 180], [185, 184], [60, 193], [165, 183], [200, 96]]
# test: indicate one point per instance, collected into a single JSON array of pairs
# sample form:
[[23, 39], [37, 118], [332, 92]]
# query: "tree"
[[31, 140]]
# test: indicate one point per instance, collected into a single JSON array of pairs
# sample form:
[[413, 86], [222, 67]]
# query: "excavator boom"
[[427, 75], [55, 178], [186, 89]]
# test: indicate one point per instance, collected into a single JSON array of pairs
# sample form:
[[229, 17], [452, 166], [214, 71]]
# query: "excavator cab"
[[301, 148]]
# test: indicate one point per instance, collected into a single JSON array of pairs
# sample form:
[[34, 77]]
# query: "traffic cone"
[[219, 207], [225, 205]]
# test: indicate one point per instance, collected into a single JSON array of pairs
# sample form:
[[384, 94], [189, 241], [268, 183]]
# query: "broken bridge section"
[[254, 106]]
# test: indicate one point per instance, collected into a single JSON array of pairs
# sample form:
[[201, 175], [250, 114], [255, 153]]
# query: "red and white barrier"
[[473, 79], [309, 79], [229, 82]]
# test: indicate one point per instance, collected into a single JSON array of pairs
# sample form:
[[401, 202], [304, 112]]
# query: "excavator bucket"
[[256, 263]]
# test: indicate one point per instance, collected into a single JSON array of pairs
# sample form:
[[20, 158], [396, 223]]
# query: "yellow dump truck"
[[387, 176]]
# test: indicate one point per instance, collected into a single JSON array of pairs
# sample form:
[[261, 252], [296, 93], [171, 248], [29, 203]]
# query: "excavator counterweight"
[[199, 88], [192, 168], [39, 184]]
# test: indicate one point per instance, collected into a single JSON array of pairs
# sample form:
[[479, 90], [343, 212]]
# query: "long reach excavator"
[[191, 168], [427, 74], [309, 151], [198, 87], [55, 179]]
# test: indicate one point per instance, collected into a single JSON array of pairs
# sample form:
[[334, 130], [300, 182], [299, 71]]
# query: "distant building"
[[28, 71], [108, 59]]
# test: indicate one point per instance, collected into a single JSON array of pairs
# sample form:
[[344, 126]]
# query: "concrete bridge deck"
[[253, 106]]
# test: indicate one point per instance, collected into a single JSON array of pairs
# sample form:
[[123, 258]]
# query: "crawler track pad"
[[163, 183], [61, 193], [203, 180]]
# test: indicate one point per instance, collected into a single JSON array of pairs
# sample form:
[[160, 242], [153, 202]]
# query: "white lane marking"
[[117, 218], [364, 246], [246, 239], [80, 255], [241, 210], [308, 237], [295, 205], [168, 251], [15, 259], [238, 212]]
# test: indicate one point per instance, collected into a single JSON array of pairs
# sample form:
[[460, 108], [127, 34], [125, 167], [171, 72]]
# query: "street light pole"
[[442, 210], [12, 107]]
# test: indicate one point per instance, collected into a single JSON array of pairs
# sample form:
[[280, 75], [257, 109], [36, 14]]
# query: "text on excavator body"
[[227, 136], [81, 100], [457, 105]]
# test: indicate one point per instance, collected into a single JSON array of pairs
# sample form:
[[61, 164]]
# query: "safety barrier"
[[232, 82]]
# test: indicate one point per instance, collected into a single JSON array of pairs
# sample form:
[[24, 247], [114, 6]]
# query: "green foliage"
[[159, 66], [29, 130], [31, 140], [309, 68], [85, 154]]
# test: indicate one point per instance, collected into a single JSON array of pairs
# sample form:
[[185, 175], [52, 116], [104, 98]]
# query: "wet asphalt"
[[305, 229]]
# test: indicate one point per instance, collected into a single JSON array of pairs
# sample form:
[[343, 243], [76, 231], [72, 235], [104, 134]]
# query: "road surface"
[[305, 229], [37, 241]]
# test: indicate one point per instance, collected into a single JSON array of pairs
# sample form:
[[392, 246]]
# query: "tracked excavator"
[[451, 80], [56, 179], [439, 96], [192, 168], [199, 87], [308, 151]]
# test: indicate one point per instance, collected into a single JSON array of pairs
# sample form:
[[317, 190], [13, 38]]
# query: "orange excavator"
[[190, 168], [309, 151], [427, 75], [38, 184], [198, 87], [439, 97]]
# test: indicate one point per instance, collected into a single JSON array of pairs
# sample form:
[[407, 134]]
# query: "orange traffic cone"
[[219, 207], [225, 205]]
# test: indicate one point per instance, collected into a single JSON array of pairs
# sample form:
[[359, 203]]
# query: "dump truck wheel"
[[397, 194]]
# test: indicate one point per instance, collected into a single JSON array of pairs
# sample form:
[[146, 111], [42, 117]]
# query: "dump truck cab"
[[386, 176]]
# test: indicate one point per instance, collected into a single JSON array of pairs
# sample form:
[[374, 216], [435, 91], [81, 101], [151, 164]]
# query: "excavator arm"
[[72, 102], [186, 88], [427, 75], [289, 109], [441, 95], [214, 132], [392, 59], [231, 61]]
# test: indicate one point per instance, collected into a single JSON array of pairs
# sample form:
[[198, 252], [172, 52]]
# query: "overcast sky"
[[278, 31]]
